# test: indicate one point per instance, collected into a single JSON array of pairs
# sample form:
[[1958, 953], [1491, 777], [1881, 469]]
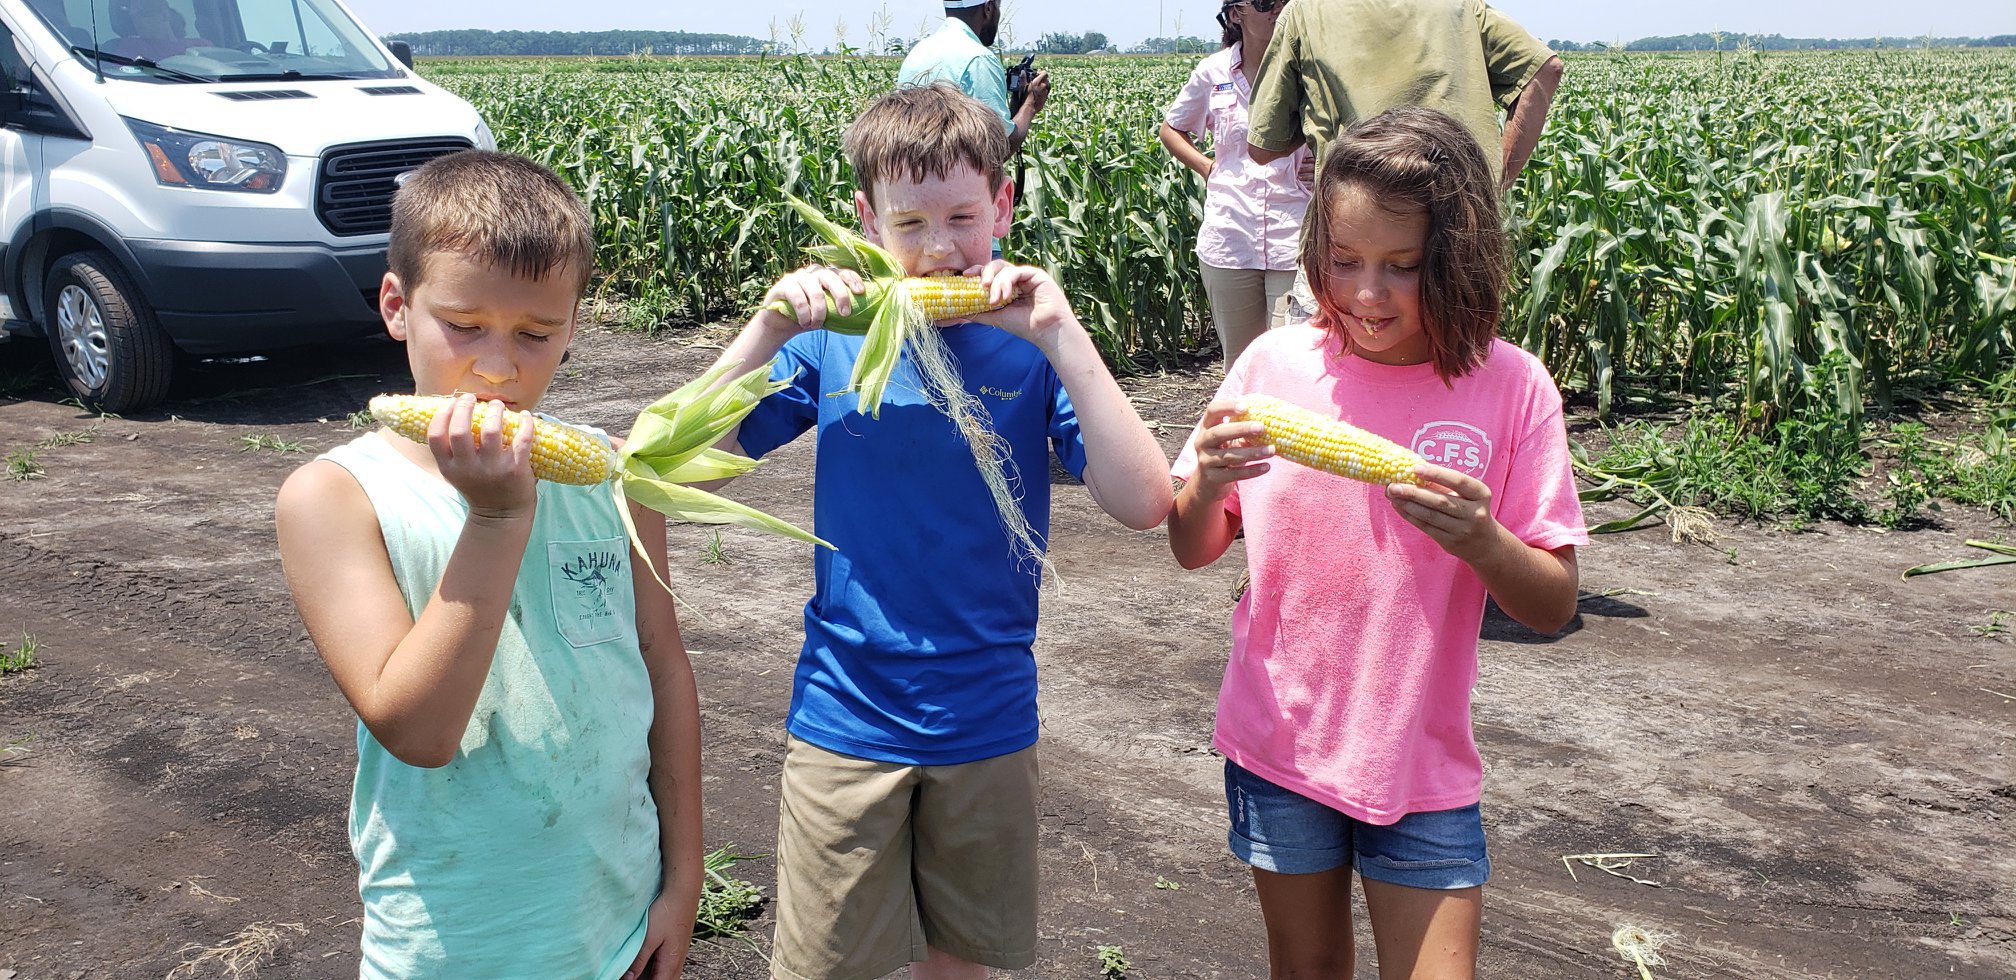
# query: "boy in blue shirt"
[[527, 800], [907, 826]]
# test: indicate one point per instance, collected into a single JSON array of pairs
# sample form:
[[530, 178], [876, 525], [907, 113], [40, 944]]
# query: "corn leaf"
[[682, 503]]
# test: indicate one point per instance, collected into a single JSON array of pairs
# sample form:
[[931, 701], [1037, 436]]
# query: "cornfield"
[[1751, 230]]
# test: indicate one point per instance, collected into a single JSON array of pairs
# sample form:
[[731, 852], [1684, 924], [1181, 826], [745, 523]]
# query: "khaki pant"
[[1244, 304], [877, 861]]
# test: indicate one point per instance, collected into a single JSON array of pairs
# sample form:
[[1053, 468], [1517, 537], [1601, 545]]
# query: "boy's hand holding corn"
[[807, 292], [493, 475], [1036, 308]]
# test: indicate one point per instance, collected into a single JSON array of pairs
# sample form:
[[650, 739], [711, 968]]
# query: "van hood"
[[302, 117]]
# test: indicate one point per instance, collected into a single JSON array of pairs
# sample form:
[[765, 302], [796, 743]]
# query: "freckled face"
[[1372, 277], [937, 224]]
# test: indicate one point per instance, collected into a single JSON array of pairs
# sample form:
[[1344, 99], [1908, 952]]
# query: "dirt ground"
[[1817, 754]]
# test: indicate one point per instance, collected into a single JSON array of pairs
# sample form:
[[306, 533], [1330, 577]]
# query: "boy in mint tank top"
[[527, 801]]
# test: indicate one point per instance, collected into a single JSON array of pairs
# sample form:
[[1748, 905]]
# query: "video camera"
[[1018, 82]]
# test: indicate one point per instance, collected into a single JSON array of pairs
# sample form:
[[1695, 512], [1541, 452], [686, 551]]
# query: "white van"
[[200, 177]]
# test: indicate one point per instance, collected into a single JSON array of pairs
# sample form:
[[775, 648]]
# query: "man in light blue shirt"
[[960, 53]]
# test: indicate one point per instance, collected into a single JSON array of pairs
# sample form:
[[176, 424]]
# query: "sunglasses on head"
[[1262, 6]]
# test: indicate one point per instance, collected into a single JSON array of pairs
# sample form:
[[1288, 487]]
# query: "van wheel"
[[109, 348]]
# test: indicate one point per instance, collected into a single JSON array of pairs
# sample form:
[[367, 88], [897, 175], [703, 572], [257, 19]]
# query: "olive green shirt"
[[1333, 62]]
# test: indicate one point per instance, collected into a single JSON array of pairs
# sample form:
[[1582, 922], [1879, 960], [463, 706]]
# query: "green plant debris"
[[21, 465], [1113, 963], [726, 903], [270, 443], [21, 657]]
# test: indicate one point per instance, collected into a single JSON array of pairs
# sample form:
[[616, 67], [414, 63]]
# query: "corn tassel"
[[560, 452], [1328, 444]]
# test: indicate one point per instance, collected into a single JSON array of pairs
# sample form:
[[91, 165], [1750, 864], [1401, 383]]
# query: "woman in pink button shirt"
[[1252, 212]]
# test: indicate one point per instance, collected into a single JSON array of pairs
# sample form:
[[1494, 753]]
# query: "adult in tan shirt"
[[1334, 62]]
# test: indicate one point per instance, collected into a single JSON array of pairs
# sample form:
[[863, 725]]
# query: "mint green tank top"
[[534, 853]]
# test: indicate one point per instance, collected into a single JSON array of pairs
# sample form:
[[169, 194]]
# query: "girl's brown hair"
[[1419, 160]]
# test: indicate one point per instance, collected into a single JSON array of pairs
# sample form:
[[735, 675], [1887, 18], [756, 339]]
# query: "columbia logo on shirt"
[[1456, 445]]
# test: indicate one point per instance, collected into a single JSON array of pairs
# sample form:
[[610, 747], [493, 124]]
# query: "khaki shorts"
[[877, 862]]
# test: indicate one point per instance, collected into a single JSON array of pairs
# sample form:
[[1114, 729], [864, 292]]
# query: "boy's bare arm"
[[413, 683], [675, 753], [806, 291], [1126, 471]]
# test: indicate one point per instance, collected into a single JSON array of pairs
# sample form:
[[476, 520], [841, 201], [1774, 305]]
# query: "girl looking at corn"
[[1344, 716]]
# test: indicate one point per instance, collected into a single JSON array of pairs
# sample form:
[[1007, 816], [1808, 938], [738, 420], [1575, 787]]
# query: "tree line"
[[1779, 42], [530, 43], [550, 43]]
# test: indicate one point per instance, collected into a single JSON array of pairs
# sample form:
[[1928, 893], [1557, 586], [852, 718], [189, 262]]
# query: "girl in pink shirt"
[[1252, 212], [1345, 713]]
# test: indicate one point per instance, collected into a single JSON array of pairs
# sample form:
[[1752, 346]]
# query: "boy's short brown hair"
[[499, 209], [920, 131]]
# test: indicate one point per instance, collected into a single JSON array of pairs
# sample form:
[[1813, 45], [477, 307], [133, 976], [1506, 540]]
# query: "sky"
[[1126, 22]]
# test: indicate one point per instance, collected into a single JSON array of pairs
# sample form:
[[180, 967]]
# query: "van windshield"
[[217, 40]]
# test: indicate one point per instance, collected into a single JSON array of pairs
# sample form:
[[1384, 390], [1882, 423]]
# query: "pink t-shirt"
[[1355, 647], [1252, 212]]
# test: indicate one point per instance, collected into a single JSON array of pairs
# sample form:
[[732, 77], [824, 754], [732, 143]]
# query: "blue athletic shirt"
[[918, 635]]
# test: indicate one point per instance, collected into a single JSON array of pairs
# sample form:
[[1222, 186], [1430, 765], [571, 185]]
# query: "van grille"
[[354, 186], [391, 90]]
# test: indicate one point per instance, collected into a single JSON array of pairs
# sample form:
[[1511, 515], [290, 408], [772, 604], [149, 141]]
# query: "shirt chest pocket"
[[1226, 110], [588, 583]]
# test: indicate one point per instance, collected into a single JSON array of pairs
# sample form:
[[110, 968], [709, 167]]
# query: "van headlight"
[[182, 159], [485, 140]]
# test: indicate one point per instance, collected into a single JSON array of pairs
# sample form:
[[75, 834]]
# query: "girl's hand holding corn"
[[1454, 509], [493, 475], [1227, 451], [808, 292]]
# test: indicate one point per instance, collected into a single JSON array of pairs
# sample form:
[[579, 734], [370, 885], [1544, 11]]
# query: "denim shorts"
[[1276, 829]]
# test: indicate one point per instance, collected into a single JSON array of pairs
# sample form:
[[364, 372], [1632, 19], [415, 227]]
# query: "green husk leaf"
[[711, 464], [881, 350], [866, 307], [847, 249], [2004, 555], [691, 504]]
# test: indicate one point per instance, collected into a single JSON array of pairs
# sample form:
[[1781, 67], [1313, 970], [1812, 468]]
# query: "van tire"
[[109, 348]]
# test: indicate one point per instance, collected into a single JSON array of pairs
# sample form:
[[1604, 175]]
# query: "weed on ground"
[[20, 658], [271, 444]]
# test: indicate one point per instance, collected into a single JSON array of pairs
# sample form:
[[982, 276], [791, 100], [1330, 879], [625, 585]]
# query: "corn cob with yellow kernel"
[[670, 445], [1328, 444], [560, 452], [895, 309]]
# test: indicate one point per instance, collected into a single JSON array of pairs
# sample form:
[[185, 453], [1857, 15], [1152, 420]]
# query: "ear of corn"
[[1328, 444], [949, 297], [560, 452], [895, 307], [670, 444]]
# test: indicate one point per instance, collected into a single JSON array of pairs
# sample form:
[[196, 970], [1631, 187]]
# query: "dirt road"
[[1815, 752]]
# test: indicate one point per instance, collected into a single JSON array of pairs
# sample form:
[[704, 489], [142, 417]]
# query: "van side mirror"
[[402, 51]]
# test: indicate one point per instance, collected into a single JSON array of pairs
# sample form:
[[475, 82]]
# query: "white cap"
[[963, 4]]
